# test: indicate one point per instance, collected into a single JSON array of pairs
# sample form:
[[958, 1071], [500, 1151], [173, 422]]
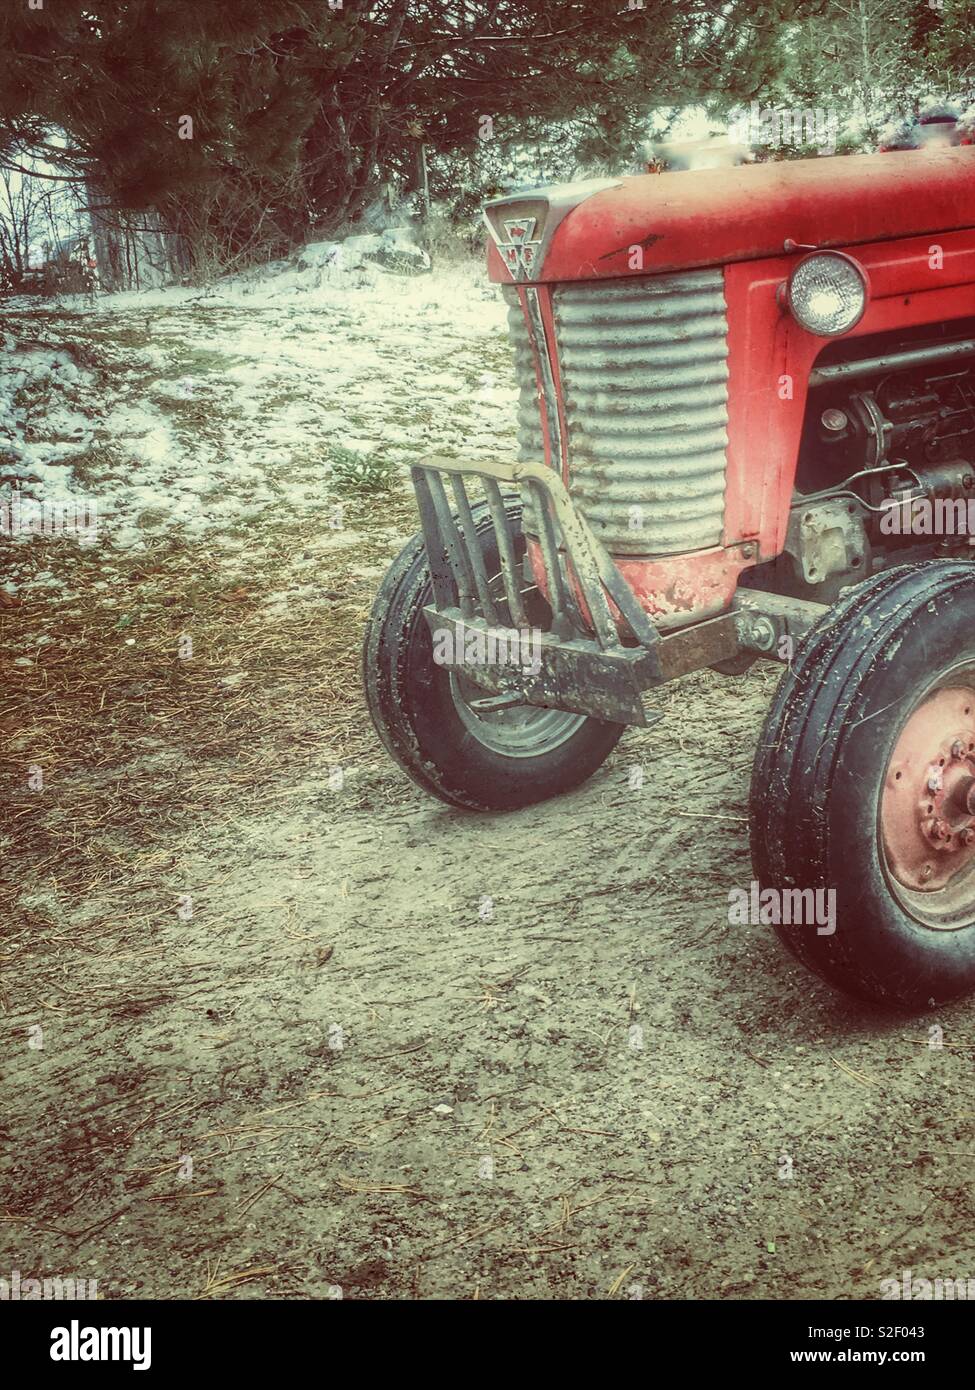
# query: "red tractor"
[[743, 392]]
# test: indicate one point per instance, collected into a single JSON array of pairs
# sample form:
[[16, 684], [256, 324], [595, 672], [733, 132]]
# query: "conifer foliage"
[[258, 121]]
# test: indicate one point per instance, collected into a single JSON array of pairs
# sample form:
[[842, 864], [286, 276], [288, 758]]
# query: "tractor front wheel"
[[864, 788], [455, 743]]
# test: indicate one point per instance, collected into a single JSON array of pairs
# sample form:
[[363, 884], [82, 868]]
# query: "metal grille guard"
[[579, 663]]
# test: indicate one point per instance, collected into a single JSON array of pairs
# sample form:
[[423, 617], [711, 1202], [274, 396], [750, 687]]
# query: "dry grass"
[[140, 744]]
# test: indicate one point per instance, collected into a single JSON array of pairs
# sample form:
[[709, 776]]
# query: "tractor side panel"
[[922, 280]]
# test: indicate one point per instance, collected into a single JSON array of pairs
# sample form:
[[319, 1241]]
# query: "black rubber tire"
[[413, 709], [819, 774]]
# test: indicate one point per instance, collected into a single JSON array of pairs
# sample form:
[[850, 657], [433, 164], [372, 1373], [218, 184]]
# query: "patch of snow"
[[229, 414]]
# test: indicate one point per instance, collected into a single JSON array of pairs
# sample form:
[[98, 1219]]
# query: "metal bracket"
[[827, 538], [577, 565], [600, 651], [601, 654], [773, 624]]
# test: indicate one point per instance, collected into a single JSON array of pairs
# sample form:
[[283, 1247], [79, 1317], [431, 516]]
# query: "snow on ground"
[[196, 412]]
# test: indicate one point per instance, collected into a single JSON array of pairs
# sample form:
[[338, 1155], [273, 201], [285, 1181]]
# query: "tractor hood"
[[711, 216]]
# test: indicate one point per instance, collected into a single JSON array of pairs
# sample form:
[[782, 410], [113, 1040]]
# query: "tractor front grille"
[[644, 371]]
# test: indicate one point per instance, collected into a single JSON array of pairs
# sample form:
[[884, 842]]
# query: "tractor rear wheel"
[[864, 785]]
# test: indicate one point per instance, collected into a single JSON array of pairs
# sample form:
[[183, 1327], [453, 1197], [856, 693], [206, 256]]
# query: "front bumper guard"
[[591, 660]]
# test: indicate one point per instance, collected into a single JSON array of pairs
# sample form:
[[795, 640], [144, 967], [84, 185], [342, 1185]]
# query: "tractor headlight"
[[827, 293]]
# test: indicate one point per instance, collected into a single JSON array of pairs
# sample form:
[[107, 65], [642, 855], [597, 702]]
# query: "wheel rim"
[[927, 807], [517, 731], [520, 731]]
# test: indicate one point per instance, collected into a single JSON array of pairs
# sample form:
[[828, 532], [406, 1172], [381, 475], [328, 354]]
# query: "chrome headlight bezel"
[[847, 263]]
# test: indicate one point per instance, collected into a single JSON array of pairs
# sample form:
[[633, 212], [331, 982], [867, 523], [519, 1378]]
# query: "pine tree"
[[249, 123]]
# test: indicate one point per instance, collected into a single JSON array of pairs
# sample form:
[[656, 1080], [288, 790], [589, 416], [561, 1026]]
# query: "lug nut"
[[937, 829], [957, 749], [934, 782], [926, 873], [967, 836]]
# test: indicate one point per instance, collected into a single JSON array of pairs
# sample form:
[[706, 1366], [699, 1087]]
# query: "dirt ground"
[[275, 1024]]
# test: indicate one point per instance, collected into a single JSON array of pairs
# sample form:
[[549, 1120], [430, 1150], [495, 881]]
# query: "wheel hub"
[[928, 805], [516, 730]]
